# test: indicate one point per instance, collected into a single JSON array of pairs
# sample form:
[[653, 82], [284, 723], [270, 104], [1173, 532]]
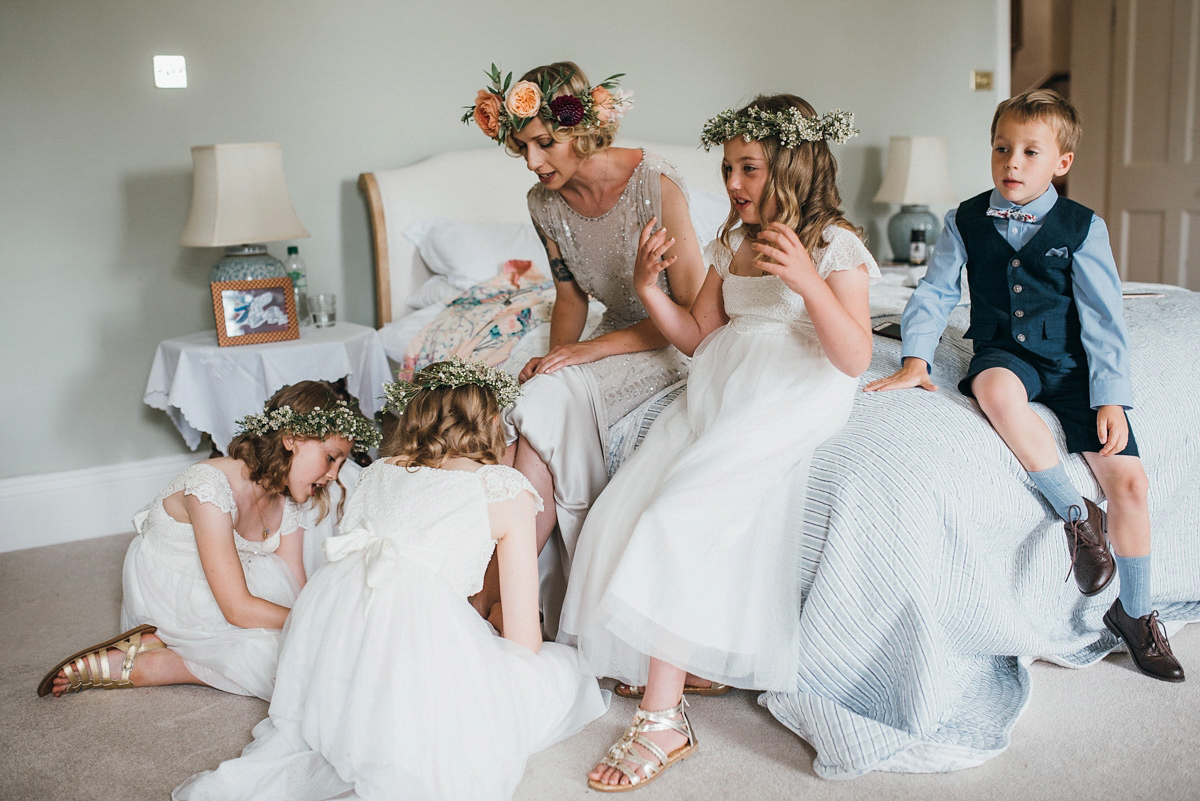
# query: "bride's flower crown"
[[317, 424], [448, 374], [790, 127], [499, 110]]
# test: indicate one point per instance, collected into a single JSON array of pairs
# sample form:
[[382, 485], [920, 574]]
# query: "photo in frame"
[[259, 310]]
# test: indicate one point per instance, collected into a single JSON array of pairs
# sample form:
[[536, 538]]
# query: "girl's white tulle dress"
[[390, 685], [164, 585], [690, 555]]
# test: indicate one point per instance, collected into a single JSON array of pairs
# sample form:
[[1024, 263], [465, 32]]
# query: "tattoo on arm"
[[558, 265], [560, 270]]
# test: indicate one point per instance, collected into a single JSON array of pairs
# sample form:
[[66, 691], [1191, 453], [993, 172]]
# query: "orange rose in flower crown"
[[524, 100], [487, 112], [602, 100], [499, 111]]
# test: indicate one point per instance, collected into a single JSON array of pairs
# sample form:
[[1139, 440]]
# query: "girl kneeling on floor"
[[390, 684], [218, 560]]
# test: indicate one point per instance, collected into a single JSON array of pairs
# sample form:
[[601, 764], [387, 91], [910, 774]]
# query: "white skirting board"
[[80, 504]]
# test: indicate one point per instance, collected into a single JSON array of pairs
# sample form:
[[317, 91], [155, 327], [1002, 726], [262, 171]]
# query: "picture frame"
[[253, 311]]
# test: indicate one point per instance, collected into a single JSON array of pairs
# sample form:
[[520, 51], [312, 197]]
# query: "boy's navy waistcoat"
[[1023, 298]]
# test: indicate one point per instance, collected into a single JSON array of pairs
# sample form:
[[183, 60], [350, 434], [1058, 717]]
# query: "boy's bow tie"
[[1012, 214]]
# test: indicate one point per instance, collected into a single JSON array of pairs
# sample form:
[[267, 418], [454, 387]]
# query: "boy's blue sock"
[[1134, 573], [1058, 489]]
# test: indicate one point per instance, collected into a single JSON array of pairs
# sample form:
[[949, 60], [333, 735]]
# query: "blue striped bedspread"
[[932, 572]]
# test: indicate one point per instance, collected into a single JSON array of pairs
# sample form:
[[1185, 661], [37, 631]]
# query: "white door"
[[1135, 78], [1154, 149]]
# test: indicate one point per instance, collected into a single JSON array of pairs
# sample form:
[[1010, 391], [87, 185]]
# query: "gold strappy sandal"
[[623, 755], [634, 691], [88, 668]]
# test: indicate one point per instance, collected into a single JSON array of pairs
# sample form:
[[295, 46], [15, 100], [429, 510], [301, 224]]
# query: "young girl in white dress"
[[686, 566], [390, 684], [218, 560]]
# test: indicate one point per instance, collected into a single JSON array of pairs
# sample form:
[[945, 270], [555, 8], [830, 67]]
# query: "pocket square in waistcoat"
[[1062, 252]]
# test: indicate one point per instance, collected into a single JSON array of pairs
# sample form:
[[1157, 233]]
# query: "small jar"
[[918, 251]]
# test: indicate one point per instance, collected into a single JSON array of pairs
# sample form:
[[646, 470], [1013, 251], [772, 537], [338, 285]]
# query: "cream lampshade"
[[918, 174], [240, 200]]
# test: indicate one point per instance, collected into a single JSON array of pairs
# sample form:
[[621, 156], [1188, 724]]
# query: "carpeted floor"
[[1085, 734]]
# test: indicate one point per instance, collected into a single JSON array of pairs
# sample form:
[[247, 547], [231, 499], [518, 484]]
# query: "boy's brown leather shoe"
[[1087, 538], [1147, 642]]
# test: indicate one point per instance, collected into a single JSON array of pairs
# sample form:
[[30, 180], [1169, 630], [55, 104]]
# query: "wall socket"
[[981, 80], [170, 72]]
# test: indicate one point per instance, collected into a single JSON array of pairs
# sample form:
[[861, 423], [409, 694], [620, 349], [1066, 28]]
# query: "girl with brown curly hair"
[[218, 560]]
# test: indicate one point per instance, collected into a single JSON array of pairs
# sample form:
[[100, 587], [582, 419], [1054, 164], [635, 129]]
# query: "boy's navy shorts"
[[1059, 384]]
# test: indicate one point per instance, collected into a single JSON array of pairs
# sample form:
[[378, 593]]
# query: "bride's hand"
[[529, 370], [650, 259], [561, 356]]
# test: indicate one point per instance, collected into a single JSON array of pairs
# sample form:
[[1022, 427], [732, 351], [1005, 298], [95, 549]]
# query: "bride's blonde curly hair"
[[801, 179], [440, 423], [585, 141]]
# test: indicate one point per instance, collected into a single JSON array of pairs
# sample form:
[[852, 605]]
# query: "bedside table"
[[204, 388]]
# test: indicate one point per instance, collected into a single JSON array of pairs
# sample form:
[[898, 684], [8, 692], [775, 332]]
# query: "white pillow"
[[436, 290], [708, 211], [466, 253]]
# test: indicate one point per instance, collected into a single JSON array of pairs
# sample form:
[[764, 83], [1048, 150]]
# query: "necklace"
[[266, 531]]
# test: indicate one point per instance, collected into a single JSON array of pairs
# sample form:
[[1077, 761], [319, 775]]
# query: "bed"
[[932, 573]]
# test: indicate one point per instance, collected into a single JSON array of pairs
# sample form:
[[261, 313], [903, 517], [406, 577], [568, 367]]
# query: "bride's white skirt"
[[401, 692], [690, 555]]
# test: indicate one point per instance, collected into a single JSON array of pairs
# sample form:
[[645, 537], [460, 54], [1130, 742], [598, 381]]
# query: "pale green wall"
[[95, 169]]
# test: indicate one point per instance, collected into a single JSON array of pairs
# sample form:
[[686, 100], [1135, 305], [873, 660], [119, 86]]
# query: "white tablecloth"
[[204, 388]]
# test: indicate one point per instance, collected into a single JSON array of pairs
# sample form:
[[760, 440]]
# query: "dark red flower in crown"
[[567, 110]]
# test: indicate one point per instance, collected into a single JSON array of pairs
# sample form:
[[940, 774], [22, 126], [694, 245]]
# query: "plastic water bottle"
[[299, 275]]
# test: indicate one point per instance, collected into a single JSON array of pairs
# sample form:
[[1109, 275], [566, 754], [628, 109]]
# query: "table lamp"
[[239, 200], [917, 174]]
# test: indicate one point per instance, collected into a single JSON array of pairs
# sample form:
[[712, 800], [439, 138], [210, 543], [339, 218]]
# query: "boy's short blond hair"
[[1048, 106]]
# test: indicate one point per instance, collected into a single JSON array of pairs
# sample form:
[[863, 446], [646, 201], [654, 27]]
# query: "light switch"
[[981, 80], [170, 72]]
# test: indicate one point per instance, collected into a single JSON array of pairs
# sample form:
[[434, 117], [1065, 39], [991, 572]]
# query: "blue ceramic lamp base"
[[901, 225], [246, 263]]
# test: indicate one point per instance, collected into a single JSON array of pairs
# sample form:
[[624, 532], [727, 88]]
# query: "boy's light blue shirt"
[[1094, 278]]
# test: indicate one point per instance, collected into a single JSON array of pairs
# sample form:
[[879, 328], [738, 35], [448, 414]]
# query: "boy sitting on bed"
[[1046, 320]]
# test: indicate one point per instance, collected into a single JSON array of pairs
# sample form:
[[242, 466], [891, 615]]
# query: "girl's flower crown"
[[449, 374], [499, 111], [790, 127], [317, 424]]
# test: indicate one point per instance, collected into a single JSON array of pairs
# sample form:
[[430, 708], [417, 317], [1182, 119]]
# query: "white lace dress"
[[690, 554], [164, 585], [390, 685]]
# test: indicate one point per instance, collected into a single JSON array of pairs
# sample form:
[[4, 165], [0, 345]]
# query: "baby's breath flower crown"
[[790, 127], [500, 110], [317, 424], [448, 374]]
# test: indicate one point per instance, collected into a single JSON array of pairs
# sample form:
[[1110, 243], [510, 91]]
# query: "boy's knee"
[[999, 392], [1131, 484]]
